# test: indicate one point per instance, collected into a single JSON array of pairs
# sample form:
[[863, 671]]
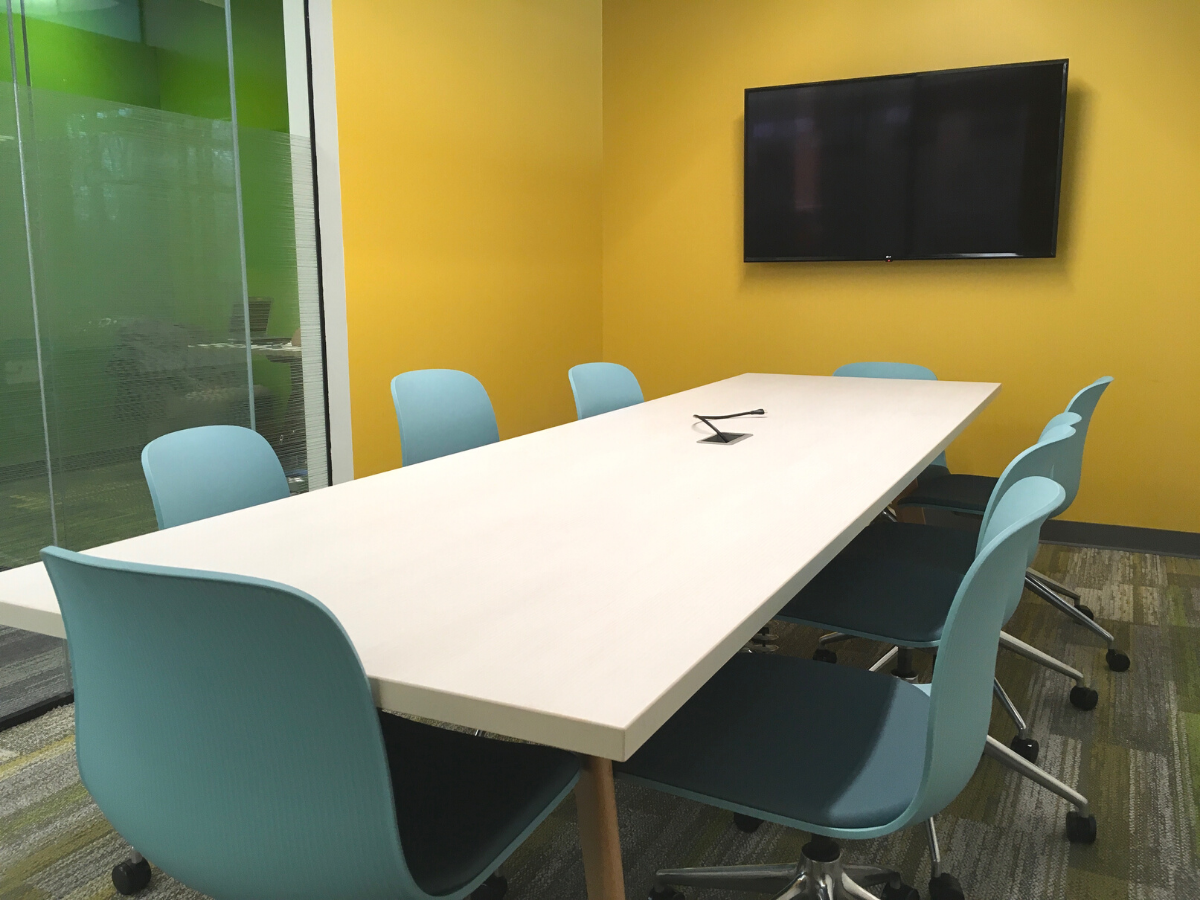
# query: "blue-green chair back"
[[885, 370], [1054, 451], [226, 729], [601, 387], [891, 370], [441, 411], [1083, 405], [201, 472], [961, 690], [1085, 401]]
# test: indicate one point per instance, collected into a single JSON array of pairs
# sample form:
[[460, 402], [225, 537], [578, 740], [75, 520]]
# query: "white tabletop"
[[576, 585]]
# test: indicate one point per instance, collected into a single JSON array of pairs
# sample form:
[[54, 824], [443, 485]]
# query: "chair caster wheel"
[[494, 887], [129, 877], [824, 654], [1084, 697], [1026, 747], [903, 892], [1117, 661], [1086, 610], [1081, 829], [745, 823], [945, 887], [661, 892]]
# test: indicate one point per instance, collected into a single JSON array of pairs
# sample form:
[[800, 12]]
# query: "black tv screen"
[[931, 165]]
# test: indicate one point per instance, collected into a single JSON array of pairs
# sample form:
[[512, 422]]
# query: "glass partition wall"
[[33, 669], [157, 269]]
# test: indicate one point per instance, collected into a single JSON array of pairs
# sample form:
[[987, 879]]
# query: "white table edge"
[[593, 739]]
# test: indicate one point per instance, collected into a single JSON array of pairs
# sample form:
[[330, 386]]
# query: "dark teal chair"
[[601, 387], [968, 495], [201, 472], [225, 728], [845, 753], [441, 411]]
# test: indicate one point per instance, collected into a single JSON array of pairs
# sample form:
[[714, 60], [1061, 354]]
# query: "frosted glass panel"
[[33, 667], [24, 492], [138, 272]]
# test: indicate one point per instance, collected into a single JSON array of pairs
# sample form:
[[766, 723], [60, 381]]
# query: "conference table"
[[575, 586]]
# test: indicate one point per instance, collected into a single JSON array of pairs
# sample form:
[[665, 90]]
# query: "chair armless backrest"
[[1045, 458], [961, 691], [910, 371], [225, 727], [441, 411], [1063, 418], [885, 370], [1082, 404], [601, 387], [1085, 401], [201, 472]]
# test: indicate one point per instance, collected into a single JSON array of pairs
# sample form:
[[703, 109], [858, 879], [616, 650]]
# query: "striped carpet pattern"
[[1137, 757], [32, 669]]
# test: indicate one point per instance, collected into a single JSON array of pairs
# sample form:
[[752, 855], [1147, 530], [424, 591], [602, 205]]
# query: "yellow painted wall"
[[470, 143], [1122, 298]]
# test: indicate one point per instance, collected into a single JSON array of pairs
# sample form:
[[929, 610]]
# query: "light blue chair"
[[225, 727], [201, 472], [911, 371], [967, 495], [845, 753], [601, 387], [441, 411]]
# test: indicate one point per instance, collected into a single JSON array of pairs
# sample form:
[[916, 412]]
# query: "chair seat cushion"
[[961, 493], [895, 582], [461, 799], [949, 548], [807, 744]]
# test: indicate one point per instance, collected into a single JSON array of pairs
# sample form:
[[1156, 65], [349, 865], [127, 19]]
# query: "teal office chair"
[[201, 472], [264, 769], [846, 753], [911, 371], [896, 583], [601, 387], [967, 495], [441, 411]]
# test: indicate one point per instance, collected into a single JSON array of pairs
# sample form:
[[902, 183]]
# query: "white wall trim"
[[319, 46], [311, 345]]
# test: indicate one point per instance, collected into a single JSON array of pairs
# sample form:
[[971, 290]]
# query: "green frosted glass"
[[137, 264], [33, 667], [138, 274], [24, 491]]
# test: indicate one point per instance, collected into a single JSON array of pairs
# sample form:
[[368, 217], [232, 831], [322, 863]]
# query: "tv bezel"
[[1062, 125]]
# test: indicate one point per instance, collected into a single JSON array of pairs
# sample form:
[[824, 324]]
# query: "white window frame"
[[311, 43]]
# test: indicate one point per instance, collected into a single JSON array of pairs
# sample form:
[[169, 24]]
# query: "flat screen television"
[[932, 165]]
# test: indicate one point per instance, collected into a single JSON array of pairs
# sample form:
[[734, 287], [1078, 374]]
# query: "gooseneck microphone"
[[726, 437]]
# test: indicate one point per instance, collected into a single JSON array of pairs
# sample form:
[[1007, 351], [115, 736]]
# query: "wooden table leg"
[[596, 802]]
